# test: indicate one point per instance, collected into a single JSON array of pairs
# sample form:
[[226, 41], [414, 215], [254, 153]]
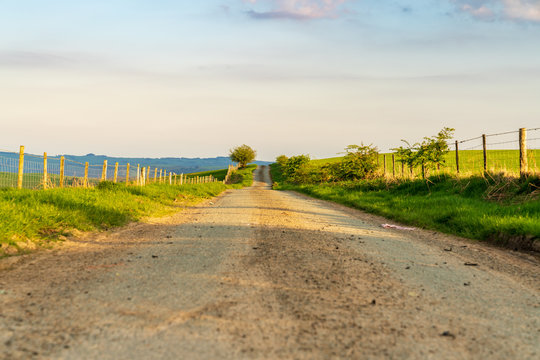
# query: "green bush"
[[281, 160], [293, 164], [360, 162]]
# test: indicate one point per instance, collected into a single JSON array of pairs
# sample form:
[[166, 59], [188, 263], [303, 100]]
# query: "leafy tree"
[[242, 155], [430, 153], [406, 155], [433, 149]]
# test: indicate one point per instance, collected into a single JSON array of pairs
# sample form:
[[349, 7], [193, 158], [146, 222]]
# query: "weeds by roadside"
[[496, 208]]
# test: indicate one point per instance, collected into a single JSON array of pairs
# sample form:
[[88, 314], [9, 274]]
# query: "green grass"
[[276, 174], [41, 216], [243, 177], [218, 174], [466, 207]]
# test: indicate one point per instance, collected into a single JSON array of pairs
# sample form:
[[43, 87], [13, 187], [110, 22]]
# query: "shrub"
[[360, 162], [293, 164], [281, 160]]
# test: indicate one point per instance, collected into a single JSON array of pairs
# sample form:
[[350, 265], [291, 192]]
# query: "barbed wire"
[[503, 142], [472, 147], [464, 141], [503, 133]]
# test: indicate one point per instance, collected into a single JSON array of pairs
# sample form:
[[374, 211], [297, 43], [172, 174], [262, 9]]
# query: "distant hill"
[[177, 165]]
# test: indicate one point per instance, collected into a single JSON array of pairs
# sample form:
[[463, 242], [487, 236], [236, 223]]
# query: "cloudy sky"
[[194, 78]]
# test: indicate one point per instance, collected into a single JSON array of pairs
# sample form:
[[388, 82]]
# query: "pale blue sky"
[[184, 78]]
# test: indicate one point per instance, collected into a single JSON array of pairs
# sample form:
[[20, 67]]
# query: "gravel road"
[[263, 274]]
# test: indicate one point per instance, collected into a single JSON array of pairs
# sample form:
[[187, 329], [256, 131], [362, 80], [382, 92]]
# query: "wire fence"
[[28, 171], [514, 153]]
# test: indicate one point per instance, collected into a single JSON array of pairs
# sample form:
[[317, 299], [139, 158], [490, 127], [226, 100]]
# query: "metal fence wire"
[[513, 153], [533, 149]]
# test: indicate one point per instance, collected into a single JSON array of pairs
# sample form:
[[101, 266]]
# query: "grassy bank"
[[35, 217], [500, 210], [220, 174]]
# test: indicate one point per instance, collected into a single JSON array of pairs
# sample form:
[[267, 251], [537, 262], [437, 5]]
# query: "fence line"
[[512, 152], [43, 172]]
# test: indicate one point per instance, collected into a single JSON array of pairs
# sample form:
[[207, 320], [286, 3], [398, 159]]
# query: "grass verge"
[[33, 218], [499, 210]]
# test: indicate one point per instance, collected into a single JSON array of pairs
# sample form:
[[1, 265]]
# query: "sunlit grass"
[[43, 215], [494, 209]]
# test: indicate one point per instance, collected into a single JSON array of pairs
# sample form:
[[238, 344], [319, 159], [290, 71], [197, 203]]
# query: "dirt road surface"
[[262, 274]]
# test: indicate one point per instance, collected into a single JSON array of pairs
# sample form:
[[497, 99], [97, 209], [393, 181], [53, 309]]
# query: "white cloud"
[[297, 9], [523, 9], [515, 10]]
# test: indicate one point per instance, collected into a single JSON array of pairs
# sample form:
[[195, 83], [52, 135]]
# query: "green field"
[[218, 174], [36, 217]]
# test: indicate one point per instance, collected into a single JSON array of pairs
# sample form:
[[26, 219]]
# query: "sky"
[[196, 78]]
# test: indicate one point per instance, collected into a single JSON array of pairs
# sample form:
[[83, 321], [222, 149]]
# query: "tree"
[[430, 153], [242, 155]]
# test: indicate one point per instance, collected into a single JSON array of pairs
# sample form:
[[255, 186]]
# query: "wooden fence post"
[[393, 165], [484, 147], [170, 178], [115, 179], [384, 164], [127, 174], [155, 175], [143, 177], [62, 168], [523, 161], [160, 175], [45, 180], [457, 157], [182, 179], [104, 171], [148, 175], [21, 168], [85, 181], [138, 177]]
